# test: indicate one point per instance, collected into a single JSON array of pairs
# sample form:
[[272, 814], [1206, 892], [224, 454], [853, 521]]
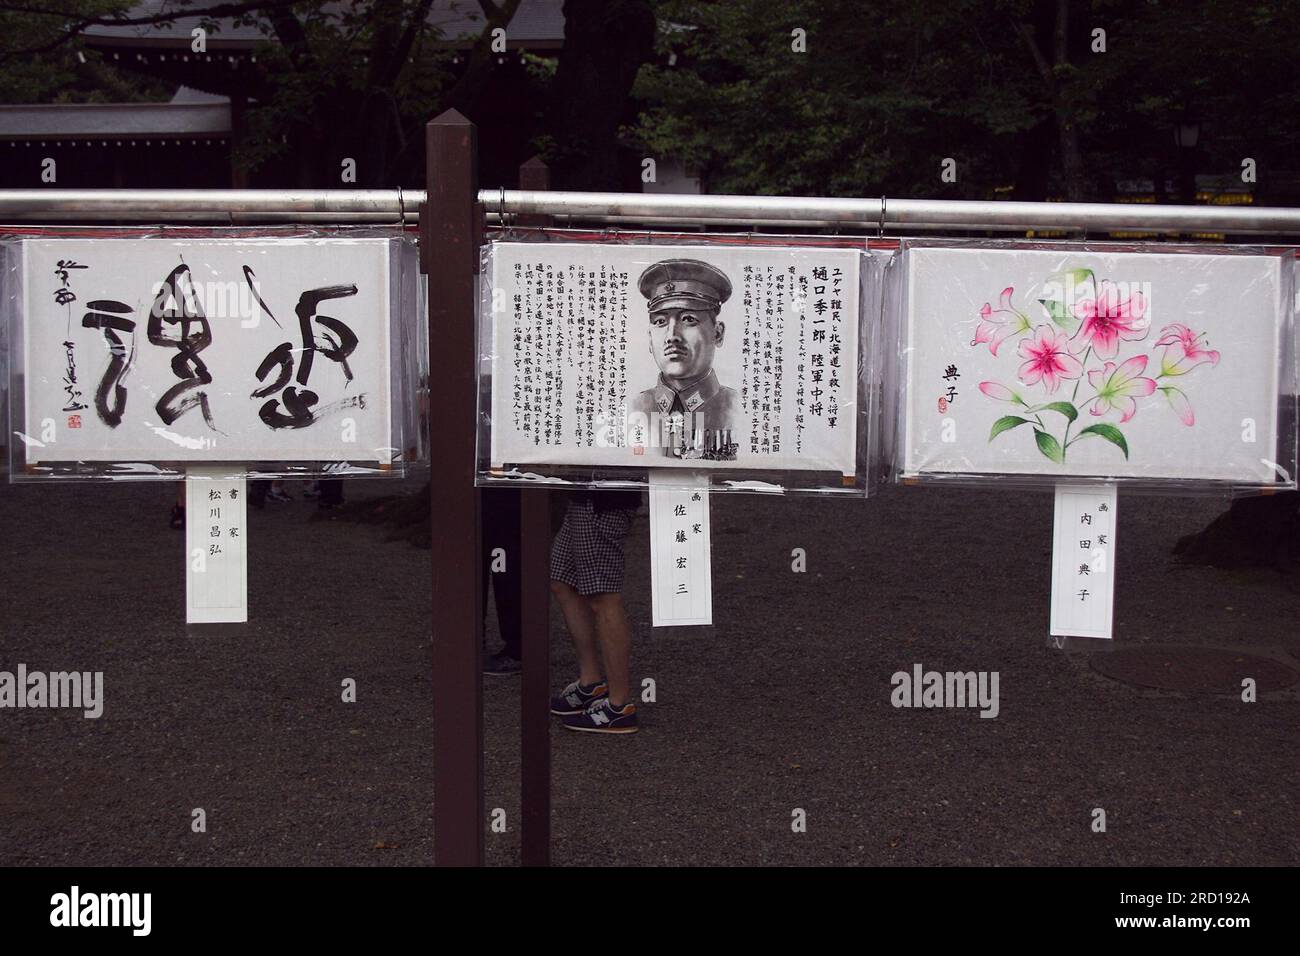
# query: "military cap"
[[684, 284]]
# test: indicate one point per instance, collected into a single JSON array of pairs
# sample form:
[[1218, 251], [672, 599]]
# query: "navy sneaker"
[[502, 665], [577, 697], [604, 718]]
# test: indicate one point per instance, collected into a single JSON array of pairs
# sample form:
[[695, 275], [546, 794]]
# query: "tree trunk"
[[1058, 81], [1071, 158], [1032, 174], [605, 44]]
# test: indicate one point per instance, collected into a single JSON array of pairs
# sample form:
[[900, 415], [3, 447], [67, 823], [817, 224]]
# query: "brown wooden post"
[[535, 613], [238, 121], [452, 256]]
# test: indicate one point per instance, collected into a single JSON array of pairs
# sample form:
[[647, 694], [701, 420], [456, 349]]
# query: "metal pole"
[[585, 205], [210, 205], [917, 214], [644, 208], [452, 234], [535, 592], [665, 209]]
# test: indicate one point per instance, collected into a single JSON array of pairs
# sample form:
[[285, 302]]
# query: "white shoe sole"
[[603, 730]]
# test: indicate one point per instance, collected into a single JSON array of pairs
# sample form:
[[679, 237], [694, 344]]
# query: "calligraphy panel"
[[212, 349]]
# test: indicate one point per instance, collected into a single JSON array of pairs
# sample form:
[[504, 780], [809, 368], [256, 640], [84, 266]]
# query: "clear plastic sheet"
[[1167, 368], [603, 356], [134, 353]]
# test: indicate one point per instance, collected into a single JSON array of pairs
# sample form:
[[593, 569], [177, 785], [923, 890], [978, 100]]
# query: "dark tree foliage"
[[1025, 95], [331, 81]]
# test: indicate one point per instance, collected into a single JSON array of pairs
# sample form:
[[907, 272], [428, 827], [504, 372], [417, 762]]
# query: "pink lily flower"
[[1179, 403], [1107, 319], [1117, 388], [1184, 350], [1000, 323], [1000, 392], [1049, 359]]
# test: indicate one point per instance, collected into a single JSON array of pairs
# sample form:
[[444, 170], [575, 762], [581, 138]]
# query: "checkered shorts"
[[587, 553]]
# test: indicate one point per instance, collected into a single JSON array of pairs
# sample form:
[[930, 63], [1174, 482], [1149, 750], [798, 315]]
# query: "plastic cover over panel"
[[136, 353], [1153, 366], [747, 357]]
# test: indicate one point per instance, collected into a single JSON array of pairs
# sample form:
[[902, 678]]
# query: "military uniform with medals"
[[702, 419]]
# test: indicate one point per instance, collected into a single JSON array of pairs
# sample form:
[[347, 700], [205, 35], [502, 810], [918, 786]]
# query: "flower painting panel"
[[1072, 361]]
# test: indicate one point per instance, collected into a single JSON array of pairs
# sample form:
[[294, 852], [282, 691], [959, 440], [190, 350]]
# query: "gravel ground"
[[783, 704]]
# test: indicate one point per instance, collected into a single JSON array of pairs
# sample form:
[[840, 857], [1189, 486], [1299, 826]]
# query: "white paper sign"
[[207, 349], [1083, 561], [1105, 364], [216, 547], [672, 356], [681, 574]]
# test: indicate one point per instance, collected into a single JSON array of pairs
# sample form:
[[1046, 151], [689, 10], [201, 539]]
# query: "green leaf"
[[1110, 433], [1074, 285], [1063, 408], [1005, 423], [1049, 446], [1062, 316]]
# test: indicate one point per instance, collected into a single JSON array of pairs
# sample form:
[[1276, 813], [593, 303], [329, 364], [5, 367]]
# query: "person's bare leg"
[[615, 636], [581, 622]]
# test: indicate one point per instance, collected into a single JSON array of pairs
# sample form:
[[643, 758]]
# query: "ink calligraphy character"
[[296, 405]]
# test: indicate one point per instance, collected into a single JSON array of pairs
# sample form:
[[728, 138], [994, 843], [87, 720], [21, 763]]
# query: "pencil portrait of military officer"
[[698, 414]]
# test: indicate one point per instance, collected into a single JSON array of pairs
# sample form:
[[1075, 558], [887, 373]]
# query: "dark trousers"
[[257, 489], [500, 529], [331, 491]]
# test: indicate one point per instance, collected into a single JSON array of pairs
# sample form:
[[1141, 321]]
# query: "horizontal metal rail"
[[343, 206], [653, 209], [210, 205]]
